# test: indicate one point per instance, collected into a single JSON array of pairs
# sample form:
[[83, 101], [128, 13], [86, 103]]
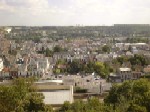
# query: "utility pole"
[[101, 88]]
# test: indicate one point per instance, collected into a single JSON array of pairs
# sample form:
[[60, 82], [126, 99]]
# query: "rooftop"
[[125, 69]]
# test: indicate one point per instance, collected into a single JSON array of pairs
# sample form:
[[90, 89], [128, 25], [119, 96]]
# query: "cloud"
[[71, 12]]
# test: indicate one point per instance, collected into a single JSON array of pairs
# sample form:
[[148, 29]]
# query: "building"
[[136, 75], [91, 83], [43, 64], [1, 65], [55, 94], [125, 74], [147, 70]]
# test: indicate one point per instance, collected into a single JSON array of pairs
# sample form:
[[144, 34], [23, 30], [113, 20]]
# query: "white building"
[[125, 73], [1, 64], [56, 94], [43, 64]]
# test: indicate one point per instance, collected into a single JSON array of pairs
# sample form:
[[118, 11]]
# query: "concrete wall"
[[58, 97]]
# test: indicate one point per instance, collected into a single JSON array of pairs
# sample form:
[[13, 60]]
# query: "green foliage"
[[138, 60], [89, 67], [77, 66], [146, 76], [48, 53], [136, 63], [92, 105], [66, 106], [57, 71], [106, 48], [101, 69], [57, 49], [136, 108], [136, 94], [137, 40], [21, 96]]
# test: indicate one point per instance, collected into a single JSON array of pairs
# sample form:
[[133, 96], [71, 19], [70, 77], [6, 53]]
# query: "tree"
[[135, 93], [89, 67], [57, 71], [21, 96], [57, 48], [74, 66], [91, 105], [48, 53], [101, 69], [106, 48], [66, 106], [122, 59], [138, 60], [136, 108]]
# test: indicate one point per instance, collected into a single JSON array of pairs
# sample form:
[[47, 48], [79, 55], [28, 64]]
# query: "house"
[[102, 57], [134, 50], [125, 74], [22, 70], [4, 74], [62, 55], [32, 65], [136, 75], [14, 72], [146, 70], [38, 66], [43, 63], [114, 78]]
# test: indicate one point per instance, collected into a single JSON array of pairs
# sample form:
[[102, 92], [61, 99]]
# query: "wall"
[[1, 65], [58, 96]]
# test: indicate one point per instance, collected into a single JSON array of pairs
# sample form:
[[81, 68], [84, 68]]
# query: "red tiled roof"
[[147, 69], [5, 69]]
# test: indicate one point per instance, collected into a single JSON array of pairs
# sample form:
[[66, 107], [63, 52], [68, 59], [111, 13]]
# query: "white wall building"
[[125, 73], [1, 64], [56, 94]]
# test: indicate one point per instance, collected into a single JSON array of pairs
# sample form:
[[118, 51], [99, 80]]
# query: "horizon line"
[[77, 25]]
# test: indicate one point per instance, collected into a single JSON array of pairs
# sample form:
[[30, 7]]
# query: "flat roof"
[[125, 69]]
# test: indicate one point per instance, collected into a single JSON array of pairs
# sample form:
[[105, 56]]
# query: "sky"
[[73, 12]]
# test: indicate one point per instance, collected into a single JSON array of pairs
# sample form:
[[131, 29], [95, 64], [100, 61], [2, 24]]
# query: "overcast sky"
[[72, 12]]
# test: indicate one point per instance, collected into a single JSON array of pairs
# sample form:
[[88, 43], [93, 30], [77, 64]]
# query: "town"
[[75, 62]]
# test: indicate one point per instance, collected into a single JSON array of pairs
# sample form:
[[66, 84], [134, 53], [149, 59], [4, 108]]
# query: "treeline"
[[49, 53], [137, 62], [78, 66], [137, 40], [86, 31]]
